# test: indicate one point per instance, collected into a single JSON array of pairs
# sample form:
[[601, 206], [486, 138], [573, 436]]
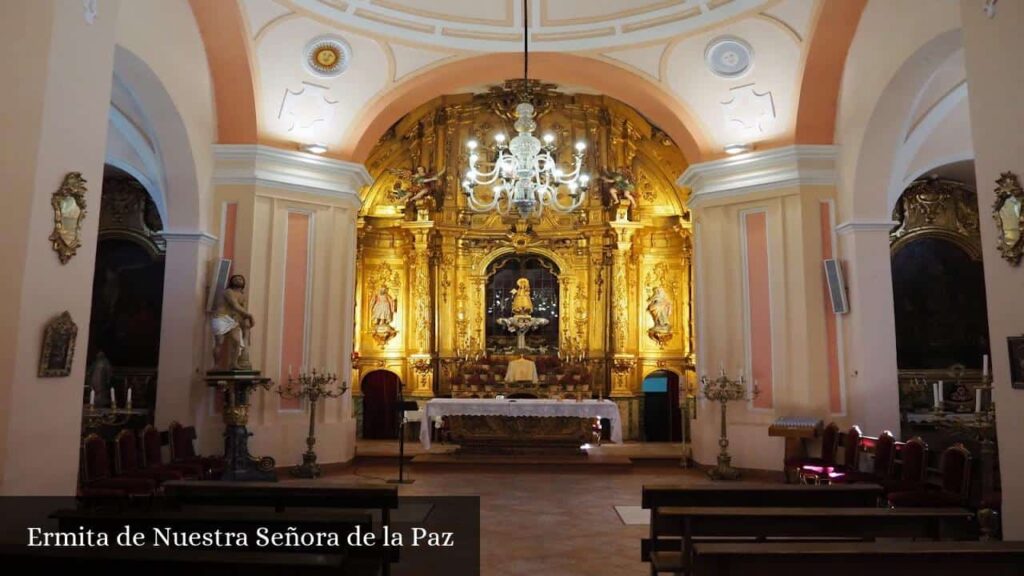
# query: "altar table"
[[522, 408]]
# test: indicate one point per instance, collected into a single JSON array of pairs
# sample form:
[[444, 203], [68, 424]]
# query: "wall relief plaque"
[[68, 212], [58, 347], [1009, 216]]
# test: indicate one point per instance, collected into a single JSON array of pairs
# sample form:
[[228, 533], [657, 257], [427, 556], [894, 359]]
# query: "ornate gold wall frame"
[[58, 347], [68, 212], [1008, 212], [937, 208]]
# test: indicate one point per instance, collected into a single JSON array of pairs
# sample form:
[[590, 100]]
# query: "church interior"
[[601, 287]]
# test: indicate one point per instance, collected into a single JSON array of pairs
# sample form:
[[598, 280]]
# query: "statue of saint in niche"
[[383, 307], [659, 306]]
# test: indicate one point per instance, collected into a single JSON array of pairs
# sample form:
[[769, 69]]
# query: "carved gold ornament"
[[1008, 211], [58, 347], [68, 212]]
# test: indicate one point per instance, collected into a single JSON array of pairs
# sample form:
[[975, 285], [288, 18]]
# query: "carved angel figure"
[[618, 183], [413, 185]]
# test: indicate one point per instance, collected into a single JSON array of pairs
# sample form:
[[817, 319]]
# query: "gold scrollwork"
[[68, 212], [936, 207], [1008, 212]]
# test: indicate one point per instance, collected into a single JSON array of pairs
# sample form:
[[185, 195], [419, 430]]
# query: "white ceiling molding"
[[790, 166], [289, 170]]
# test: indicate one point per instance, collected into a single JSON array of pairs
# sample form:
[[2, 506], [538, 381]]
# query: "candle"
[[977, 399], [129, 401], [289, 371], [941, 393], [113, 400], [935, 394], [984, 365], [92, 398]]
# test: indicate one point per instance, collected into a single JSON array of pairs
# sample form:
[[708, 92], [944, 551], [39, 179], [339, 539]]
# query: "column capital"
[[786, 167], [254, 164]]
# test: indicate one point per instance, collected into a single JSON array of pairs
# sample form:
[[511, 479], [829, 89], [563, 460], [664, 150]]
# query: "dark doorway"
[[662, 417], [380, 405]]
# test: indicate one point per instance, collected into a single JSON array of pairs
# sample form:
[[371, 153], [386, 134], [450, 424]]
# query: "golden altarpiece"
[[613, 278]]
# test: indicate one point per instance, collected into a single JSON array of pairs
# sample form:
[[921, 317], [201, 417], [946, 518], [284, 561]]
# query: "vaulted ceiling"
[[709, 72]]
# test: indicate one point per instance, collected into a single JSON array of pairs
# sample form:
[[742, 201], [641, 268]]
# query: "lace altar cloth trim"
[[522, 407]]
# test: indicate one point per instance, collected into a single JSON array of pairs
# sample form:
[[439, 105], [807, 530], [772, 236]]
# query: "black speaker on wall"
[[836, 286]]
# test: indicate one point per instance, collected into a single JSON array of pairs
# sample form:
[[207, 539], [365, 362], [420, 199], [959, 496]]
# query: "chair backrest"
[[913, 460], [829, 443], [181, 442], [95, 460], [851, 447], [151, 453], [956, 470], [885, 455], [126, 452]]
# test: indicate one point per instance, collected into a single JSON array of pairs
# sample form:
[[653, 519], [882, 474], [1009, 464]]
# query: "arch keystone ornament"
[[1008, 211], [68, 212]]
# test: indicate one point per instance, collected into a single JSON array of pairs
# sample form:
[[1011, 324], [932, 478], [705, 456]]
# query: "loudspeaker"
[[836, 286]]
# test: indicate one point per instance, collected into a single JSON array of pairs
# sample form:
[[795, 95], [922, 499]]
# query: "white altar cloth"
[[522, 407]]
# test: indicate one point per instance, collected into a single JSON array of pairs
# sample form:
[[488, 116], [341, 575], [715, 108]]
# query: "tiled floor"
[[548, 521]]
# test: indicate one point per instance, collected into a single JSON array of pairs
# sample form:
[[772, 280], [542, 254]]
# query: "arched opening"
[[504, 277], [380, 404], [127, 301], [662, 415]]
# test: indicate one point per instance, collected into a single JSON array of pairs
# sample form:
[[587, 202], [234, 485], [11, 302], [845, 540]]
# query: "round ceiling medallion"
[[327, 56], [729, 57]]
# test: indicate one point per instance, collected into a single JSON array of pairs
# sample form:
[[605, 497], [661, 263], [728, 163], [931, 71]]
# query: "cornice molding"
[[254, 164], [851, 226], [197, 236], [789, 166]]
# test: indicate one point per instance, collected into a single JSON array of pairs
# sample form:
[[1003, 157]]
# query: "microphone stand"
[[402, 407]]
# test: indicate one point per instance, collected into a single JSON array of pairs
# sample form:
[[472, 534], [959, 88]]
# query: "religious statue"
[[231, 323], [521, 302], [382, 312], [659, 306], [619, 182], [521, 320], [99, 376], [413, 185]]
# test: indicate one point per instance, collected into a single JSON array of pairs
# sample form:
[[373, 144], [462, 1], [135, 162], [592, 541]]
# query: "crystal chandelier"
[[523, 173]]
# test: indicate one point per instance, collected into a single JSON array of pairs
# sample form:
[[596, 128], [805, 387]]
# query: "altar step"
[[449, 461]]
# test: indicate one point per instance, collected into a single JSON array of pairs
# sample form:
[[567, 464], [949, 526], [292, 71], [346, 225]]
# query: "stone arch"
[[648, 98]]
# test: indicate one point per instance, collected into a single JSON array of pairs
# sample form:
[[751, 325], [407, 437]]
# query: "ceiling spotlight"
[[733, 149], [313, 148]]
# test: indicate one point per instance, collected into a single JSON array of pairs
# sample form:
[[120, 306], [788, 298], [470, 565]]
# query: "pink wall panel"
[[759, 295], [296, 284]]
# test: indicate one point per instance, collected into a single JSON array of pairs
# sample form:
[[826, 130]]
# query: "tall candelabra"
[[723, 390], [312, 386]]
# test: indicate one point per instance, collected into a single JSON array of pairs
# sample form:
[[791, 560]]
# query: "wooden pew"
[[657, 496], [860, 558], [805, 523]]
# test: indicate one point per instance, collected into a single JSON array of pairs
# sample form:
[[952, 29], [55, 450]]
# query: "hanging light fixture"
[[523, 173]]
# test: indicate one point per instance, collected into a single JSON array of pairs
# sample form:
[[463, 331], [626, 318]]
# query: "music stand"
[[403, 406]]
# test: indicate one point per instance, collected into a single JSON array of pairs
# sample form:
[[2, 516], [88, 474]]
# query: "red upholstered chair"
[[815, 474], [97, 479], [153, 458], [881, 469], [913, 467], [829, 444], [182, 450], [955, 465], [127, 461]]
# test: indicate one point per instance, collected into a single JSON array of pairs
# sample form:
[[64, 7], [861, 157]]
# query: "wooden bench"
[[749, 494], [860, 558], [804, 523]]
